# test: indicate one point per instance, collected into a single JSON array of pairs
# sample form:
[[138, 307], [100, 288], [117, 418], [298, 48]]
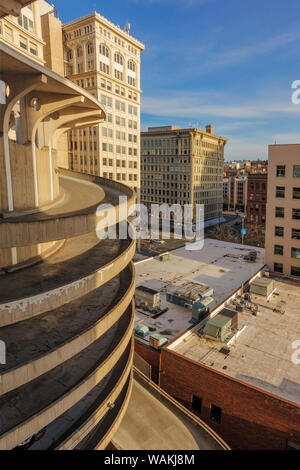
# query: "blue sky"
[[230, 63]]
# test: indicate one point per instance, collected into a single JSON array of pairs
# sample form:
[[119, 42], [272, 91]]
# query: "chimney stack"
[[209, 129]]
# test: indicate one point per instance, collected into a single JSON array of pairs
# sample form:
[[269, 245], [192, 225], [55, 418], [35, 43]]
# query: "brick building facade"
[[247, 417], [256, 203]]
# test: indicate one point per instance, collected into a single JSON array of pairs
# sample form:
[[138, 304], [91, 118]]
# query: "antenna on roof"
[[127, 27]]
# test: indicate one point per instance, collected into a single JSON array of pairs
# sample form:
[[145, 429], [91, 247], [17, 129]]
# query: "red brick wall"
[[151, 356], [261, 202], [251, 419]]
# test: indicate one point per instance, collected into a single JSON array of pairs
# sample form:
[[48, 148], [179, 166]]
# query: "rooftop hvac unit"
[[262, 286], [200, 309], [221, 326], [141, 330], [157, 341]]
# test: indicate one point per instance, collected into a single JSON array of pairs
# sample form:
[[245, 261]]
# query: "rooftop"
[[113, 27], [262, 353], [175, 130], [219, 265]]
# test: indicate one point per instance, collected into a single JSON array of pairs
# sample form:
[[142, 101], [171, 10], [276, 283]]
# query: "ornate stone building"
[[183, 166], [105, 60]]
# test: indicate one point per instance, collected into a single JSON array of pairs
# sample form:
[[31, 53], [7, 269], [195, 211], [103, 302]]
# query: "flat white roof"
[[262, 353], [218, 264]]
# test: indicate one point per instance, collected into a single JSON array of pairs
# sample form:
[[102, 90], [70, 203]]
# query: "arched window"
[[68, 54], [118, 59], [118, 66], [131, 65], [131, 73], [90, 49], [104, 59]]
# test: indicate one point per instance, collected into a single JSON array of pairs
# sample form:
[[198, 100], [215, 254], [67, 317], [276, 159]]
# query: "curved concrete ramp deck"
[[78, 197], [153, 422], [79, 257], [75, 213]]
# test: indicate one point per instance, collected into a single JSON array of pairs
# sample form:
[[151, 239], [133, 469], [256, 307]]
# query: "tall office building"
[[183, 166], [105, 60], [283, 210]]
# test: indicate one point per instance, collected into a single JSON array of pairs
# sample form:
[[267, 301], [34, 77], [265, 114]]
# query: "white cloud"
[[236, 55], [195, 105]]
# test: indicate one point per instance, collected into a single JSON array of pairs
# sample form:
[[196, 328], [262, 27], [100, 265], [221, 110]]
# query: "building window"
[[295, 271], [280, 170], [296, 193], [104, 50], [278, 250], [118, 59], [197, 404], [279, 212], [104, 67], [33, 48], [118, 66], [295, 234], [104, 63], [279, 231], [131, 65], [296, 171], [118, 74], [26, 23], [280, 191], [296, 214], [216, 414], [295, 253], [90, 49], [23, 42], [8, 33], [131, 81], [278, 268]]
